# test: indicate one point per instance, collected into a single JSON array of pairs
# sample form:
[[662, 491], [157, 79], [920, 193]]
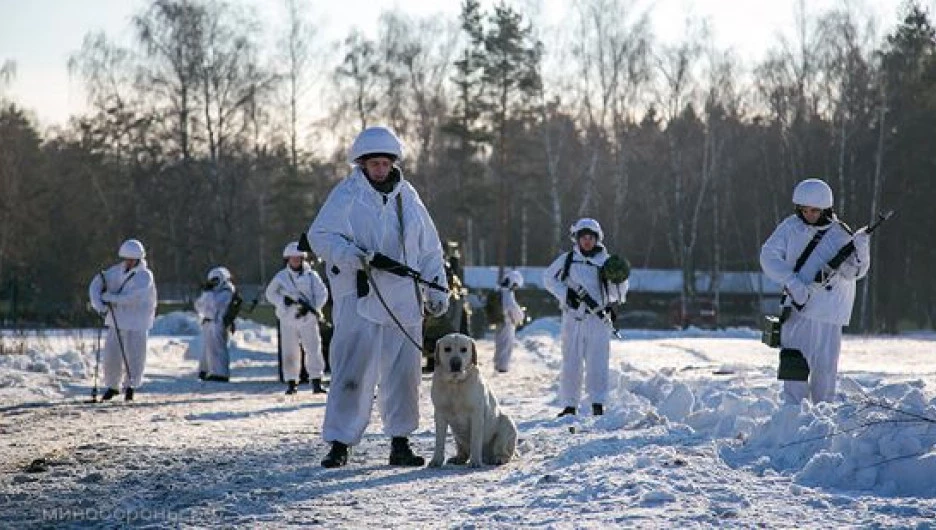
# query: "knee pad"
[[793, 366]]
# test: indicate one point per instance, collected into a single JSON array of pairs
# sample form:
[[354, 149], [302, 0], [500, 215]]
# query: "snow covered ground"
[[693, 437]]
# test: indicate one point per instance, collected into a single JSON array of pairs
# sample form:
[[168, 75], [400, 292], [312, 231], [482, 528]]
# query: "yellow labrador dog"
[[483, 433]]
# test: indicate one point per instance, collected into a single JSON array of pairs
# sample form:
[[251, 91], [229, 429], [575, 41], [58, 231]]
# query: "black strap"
[[564, 273], [119, 288], [813, 243], [296, 286], [567, 266]]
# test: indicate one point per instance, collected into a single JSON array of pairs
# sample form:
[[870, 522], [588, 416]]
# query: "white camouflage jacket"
[[357, 219], [583, 274], [131, 294], [831, 303], [304, 284]]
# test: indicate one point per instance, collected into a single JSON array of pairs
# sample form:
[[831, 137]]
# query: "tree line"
[[198, 141]]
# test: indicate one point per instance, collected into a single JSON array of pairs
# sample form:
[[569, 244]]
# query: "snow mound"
[[176, 324], [68, 365], [552, 326], [881, 440]]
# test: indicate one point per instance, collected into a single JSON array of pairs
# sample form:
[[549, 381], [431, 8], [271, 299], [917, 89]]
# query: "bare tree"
[[418, 63], [296, 49], [687, 183], [357, 80], [613, 53], [171, 33]]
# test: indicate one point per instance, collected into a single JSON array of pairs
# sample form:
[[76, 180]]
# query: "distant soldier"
[[125, 295], [298, 293], [587, 281], [799, 249], [508, 318], [217, 308]]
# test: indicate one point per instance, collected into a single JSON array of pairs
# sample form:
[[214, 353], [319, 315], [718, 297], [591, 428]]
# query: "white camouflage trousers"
[[117, 362], [304, 332], [585, 343], [821, 344], [215, 358], [506, 339], [365, 355]]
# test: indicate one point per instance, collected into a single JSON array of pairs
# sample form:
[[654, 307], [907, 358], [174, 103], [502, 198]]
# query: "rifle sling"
[[800, 261]]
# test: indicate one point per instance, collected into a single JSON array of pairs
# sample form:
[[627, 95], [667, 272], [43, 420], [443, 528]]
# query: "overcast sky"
[[39, 35]]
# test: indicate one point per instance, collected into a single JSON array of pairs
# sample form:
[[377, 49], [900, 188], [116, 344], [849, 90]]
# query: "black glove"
[[302, 311], [572, 299], [382, 262], [288, 301]]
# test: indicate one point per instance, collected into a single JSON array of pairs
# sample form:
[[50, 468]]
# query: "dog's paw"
[[435, 462]]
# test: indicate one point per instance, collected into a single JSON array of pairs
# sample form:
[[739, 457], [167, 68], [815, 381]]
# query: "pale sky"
[[39, 35]]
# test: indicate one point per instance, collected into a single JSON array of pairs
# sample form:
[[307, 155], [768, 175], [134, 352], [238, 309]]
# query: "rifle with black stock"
[[826, 273]]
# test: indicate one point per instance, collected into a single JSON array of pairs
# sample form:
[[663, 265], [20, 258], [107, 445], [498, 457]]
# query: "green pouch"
[[771, 333], [793, 366]]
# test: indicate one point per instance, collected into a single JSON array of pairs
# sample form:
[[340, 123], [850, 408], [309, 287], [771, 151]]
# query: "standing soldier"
[[508, 318], [376, 236], [299, 294], [125, 295], [586, 281], [796, 254], [216, 307]]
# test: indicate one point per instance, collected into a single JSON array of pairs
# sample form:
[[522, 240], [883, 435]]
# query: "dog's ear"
[[474, 353]]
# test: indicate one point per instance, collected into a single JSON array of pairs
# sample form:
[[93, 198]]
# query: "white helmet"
[[221, 273], [376, 140], [585, 223], [292, 251], [132, 249], [813, 192], [513, 280]]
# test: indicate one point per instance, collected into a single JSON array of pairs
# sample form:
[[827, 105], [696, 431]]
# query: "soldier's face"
[[587, 242], [811, 214], [295, 262], [378, 168]]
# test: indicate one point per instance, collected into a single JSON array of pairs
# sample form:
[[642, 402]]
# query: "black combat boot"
[[402, 455], [597, 409], [129, 395], [109, 395], [317, 386], [430, 366], [568, 411], [202, 375], [337, 456], [292, 388]]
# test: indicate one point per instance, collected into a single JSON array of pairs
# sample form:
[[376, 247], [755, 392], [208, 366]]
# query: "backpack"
[[233, 308], [494, 307]]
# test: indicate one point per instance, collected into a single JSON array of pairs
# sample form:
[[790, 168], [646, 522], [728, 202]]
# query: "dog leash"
[[373, 284]]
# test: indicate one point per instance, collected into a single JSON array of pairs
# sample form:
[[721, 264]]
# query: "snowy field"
[[693, 436]]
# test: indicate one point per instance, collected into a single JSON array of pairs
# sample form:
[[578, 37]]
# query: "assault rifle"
[[595, 309], [306, 307], [382, 262], [824, 274]]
